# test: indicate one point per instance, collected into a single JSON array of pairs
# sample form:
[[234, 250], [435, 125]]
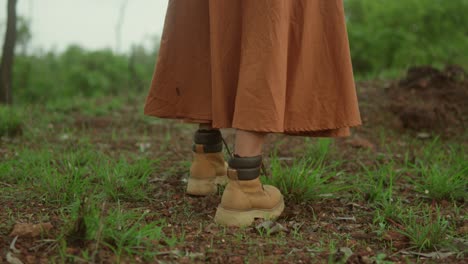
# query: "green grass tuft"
[[124, 231], [61, 178], [307, 178], [443, 172], [427, 230], [127, 233], [377, 183], [388, 209], [124, 180]]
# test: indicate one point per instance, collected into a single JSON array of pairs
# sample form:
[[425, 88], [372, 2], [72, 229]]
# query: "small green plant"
[[57, 179], [427, 229], [24, 167], [124, 231], [67, 177], [60, 189], [378, 186], [443, 173], [388, 209], [444, 183], [62, 178], [173, 240], [296, 231], [307, 178], [124, 180], [11, 121]]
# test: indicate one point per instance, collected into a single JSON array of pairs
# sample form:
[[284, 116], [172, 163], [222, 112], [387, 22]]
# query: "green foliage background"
[[386, 37], [80, 72], [395, 34]]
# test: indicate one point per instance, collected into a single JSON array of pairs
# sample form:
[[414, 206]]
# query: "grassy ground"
[[111, 184]]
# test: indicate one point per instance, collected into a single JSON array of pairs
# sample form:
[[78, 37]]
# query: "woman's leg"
[[205, 126], [249, 144], [245, 198]]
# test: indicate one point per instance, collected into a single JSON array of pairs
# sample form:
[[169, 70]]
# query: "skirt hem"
[[334, 131]]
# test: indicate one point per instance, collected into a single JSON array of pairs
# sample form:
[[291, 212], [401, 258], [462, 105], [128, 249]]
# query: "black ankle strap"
[[207, 141], [237, 162], [207, 137], [200, 148], [244, 169]]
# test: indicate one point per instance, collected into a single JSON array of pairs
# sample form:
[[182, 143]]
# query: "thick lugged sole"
[[203, 187], [245, 218]]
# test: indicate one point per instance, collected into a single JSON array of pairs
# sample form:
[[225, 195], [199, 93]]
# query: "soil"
[[429, 99], [426, 100]]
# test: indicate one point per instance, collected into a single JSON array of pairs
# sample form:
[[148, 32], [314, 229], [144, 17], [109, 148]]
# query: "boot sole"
[[245, 218], [203, 187]]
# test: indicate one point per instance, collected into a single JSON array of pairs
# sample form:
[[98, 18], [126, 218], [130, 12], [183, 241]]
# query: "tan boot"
[[245, 198], [208, 167]]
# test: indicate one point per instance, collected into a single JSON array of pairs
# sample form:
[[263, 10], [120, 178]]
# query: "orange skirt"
[[279, 66]]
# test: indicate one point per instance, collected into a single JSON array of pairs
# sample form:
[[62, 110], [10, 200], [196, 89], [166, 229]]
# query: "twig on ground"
[[12, 246], [346, 218]]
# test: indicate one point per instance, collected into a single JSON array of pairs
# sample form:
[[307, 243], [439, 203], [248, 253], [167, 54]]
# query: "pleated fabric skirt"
[[280, 66]]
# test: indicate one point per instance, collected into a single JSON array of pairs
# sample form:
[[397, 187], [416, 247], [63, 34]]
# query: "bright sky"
[[89, 23]]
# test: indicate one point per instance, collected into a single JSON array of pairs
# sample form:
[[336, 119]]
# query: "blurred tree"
[[118, 27], [23, 35], [6, 65]]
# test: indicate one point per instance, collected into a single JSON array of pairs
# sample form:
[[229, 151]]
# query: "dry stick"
[[395, 223], [6, 184], [12, 246]]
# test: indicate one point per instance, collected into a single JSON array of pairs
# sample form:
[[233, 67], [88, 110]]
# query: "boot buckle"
[[232, 174]]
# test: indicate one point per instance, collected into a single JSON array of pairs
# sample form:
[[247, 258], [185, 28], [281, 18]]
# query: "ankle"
[[206, 126], [207, 141], [244, 168]]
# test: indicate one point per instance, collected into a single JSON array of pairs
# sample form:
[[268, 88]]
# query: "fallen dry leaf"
[[12, 259], [432, 255], [394, 235], [423, 135], [295, 225], [270, 227], [12, 246], [30, 230], [30, 259], [367, 260], [72, 251], [211, 228], [398, 239], [278, 228], [358, 142], [464, 229], [360, 235]]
